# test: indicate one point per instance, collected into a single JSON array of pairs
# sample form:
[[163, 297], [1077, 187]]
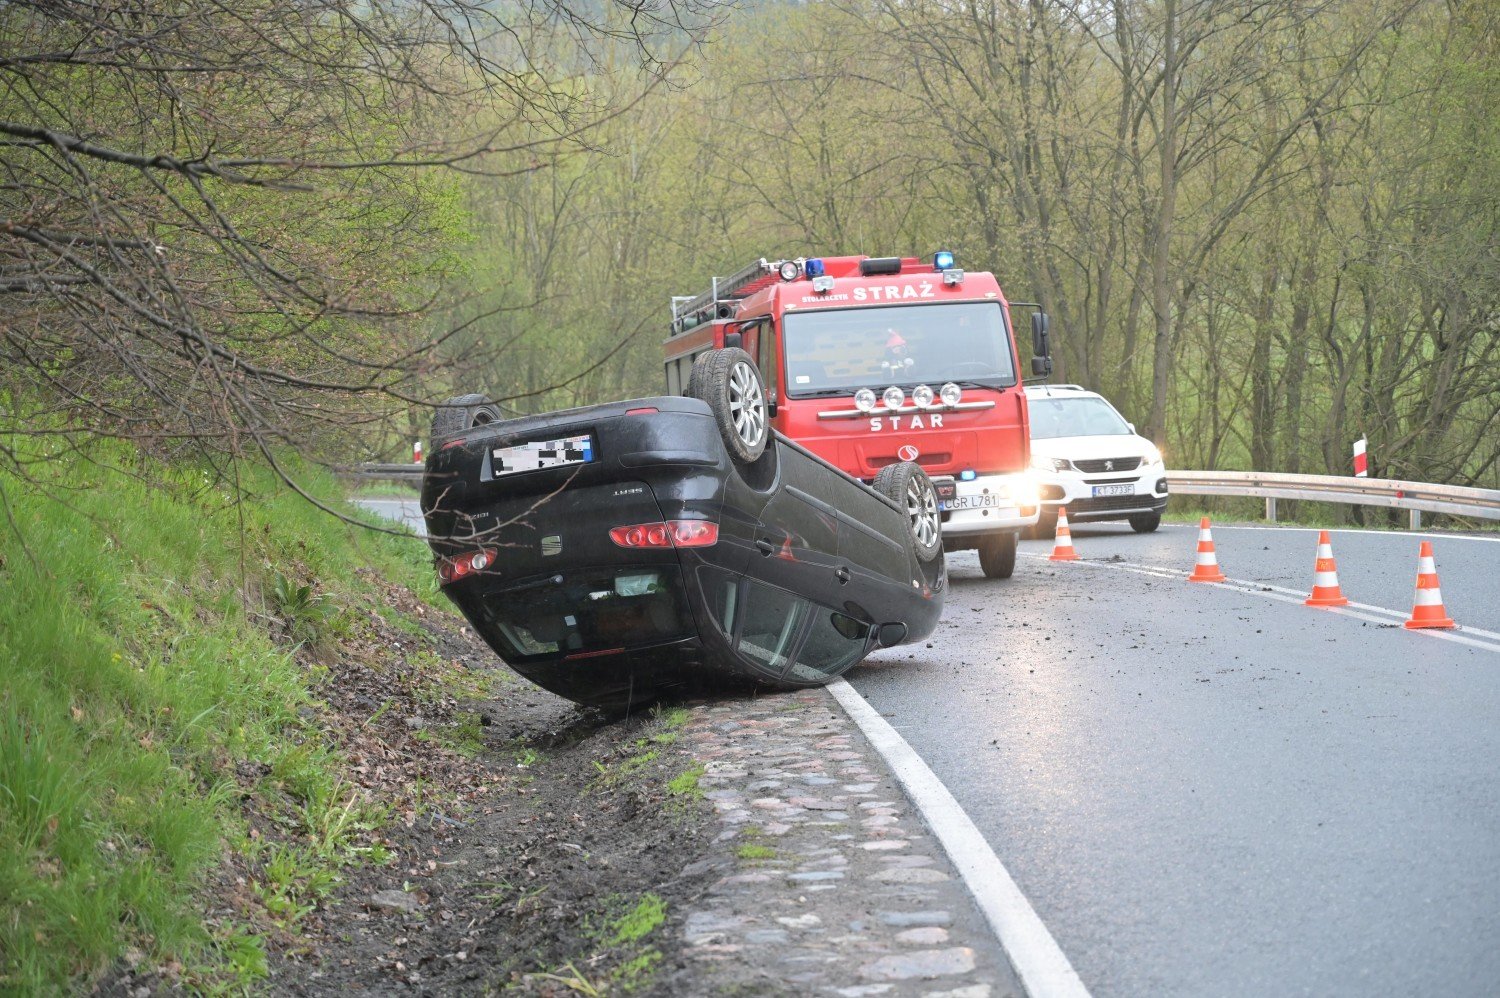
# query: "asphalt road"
[[1210, 790]]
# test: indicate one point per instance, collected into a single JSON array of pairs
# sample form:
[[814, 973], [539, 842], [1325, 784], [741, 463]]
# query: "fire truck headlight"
[[951, 394], [822, 284], [789, 270], [951, 277], [942, 260], [922, 395], [893, 397], [864, 400]]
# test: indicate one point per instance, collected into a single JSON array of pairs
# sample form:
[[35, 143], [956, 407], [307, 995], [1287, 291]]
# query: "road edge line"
[[1039, 963]]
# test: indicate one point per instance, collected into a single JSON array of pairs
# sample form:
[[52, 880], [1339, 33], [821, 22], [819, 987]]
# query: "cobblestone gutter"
[[828, 883]]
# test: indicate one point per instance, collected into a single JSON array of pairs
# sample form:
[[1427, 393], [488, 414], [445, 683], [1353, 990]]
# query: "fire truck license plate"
[[971, 502], [1114, 490], [542, 454]]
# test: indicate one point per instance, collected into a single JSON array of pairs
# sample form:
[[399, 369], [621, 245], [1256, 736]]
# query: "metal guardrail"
[[384, 472], [1414, 496]]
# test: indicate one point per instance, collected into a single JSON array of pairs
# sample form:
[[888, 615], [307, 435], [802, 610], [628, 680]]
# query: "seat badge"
[[551, 545]]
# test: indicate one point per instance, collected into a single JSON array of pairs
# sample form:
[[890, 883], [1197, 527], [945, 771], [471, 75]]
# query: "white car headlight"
[[1152, 457], [1050, 463]]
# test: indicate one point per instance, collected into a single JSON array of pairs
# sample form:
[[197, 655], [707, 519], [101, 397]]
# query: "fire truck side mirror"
[[1041, 359]]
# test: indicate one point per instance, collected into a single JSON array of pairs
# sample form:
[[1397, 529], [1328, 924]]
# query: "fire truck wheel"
[[997, 555], [463, 412], [731, 385], [912, 490]]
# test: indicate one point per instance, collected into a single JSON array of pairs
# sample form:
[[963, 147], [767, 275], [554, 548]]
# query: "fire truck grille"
[[1108, 464], [925, 460]]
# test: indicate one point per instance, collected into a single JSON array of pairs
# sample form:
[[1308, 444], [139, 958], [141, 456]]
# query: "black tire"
[[1145, 523], [696, 376], [462, 413], [908, 486], [1045, 527], [997, 555], [731, 385]]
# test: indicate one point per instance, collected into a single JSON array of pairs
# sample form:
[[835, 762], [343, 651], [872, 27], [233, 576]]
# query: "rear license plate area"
[[535, 455]]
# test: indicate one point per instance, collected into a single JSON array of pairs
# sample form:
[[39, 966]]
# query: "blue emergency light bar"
[[942, 260], [812, 268]]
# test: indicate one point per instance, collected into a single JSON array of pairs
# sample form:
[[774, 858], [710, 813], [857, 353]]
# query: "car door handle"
[[765, 546], [841, 573]]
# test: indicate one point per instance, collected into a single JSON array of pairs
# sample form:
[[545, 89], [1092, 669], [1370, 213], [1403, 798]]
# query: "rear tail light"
[[460, 566], [671, 534]]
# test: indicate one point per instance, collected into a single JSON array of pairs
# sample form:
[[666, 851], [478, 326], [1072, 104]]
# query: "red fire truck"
[[873, 360]]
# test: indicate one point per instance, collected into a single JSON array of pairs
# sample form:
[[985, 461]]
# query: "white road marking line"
[[1359, 611], [1038, 961]]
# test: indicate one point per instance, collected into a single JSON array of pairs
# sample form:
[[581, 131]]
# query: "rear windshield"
[[588, 611], [1074, 417]]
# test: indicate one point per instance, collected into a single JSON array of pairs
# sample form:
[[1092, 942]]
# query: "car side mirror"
[[1132, 427], [1041, 366], [890, 635]]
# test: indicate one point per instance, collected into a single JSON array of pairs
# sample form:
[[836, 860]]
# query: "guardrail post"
[[1270, 509], [1416, 519]]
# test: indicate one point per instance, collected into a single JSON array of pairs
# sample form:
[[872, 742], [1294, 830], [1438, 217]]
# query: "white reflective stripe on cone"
[[1429, 597], [1326, 579], [1325, 551], [1205, 535], [1425, 566], [1207, 558]]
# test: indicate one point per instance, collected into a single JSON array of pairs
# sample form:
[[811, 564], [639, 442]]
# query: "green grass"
[[685, 784], [753, 852], [147, 636]]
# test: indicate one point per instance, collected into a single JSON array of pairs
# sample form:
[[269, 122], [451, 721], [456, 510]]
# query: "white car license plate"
[[1114, 490], [971, 502], [537, 454]]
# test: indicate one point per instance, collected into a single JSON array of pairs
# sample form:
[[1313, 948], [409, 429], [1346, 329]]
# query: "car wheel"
[[1145, 523], [463, 413], [732, 387], [909, 487], [1045, 526], [997, 555], [696, 376]]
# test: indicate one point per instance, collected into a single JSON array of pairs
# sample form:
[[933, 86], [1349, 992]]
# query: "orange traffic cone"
[[1427, 609], [1326, 590], [1062, 548], [1207, 569]]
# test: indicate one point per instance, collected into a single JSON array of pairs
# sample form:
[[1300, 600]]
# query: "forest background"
[[1264, 229]]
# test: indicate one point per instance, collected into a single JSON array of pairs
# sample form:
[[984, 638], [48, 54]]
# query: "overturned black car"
[[619, 553]]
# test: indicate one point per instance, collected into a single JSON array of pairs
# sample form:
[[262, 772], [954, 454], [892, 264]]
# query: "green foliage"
[[134, 684]]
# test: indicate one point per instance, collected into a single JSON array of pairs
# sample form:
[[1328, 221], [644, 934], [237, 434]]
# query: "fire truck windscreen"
[[841, 350]]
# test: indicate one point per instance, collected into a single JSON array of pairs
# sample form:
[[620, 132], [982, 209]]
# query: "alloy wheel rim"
[[747, 405], [921, 506]]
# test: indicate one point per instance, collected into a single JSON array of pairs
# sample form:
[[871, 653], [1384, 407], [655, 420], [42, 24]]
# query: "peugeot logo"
[[1109, 466], [907, 452]]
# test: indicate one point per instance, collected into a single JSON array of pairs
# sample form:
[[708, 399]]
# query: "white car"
[[1085, 456]]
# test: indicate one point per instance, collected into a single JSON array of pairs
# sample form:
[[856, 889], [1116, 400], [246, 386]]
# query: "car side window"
[[835, 641], [770, 622]]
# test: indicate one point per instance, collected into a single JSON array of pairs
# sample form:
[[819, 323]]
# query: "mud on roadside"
[[544, 858]]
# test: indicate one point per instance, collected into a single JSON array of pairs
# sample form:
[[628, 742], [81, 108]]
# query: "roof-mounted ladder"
[[693, 310]]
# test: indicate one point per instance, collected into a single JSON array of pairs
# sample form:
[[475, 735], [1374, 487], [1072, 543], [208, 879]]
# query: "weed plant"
[[138, 676]]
